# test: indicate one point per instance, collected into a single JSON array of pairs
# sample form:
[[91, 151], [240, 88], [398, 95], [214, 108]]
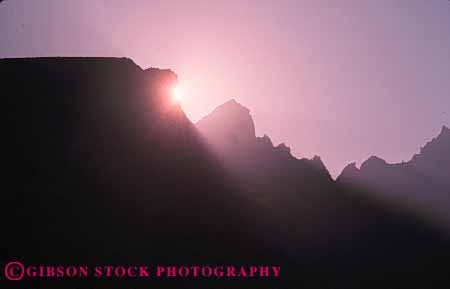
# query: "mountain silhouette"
[[421, 185], [230, 132], [101, 167], [329, 215]]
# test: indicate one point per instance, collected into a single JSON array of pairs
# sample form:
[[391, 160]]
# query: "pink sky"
[[341, 79]]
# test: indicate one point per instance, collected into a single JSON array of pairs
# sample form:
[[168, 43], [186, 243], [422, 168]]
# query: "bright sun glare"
[[177, 94]]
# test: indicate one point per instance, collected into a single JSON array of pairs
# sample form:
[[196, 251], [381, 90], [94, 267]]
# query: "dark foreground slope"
[[102, 168]]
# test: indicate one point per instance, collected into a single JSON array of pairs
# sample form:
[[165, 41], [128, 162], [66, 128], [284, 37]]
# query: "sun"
[[177, 94]]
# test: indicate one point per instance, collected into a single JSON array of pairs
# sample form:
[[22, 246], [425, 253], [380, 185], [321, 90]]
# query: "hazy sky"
[[341, 79]]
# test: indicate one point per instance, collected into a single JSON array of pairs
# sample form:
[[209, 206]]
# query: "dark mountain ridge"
[[424, 181], [102, 168], [421, 185]]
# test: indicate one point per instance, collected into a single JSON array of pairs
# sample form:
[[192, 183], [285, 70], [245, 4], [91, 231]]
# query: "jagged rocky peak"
[[351, 167], [437, 150], [444, 136], [442, 140], [230, 120], [373, 162], [266, 141], [284, 148], [317, 163], [230, 129], [350, 171]]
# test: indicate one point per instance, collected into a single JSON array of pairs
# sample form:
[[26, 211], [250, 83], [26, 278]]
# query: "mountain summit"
[[436, 152], [230, 124], [230, 131]]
